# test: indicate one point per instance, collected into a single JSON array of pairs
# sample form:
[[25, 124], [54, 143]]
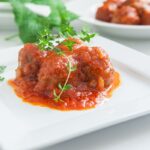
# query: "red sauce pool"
[[67, 104]]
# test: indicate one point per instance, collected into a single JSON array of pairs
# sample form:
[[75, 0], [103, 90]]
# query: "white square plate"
[[23, 126]]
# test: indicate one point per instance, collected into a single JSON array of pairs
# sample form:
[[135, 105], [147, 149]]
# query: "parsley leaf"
[[67, 87], [30, 24]]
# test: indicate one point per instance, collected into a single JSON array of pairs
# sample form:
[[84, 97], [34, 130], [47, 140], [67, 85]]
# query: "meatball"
[[94, 70], [117, 2], [138, 4], [53, 71], [106, 11], [29, 62], [64, 78], [132, 12], [126, 15], [145, 17], [134, 2]]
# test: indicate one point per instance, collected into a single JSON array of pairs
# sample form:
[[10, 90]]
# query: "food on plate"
[[128, 12], [105, 13], [67, 75], [126, 15]]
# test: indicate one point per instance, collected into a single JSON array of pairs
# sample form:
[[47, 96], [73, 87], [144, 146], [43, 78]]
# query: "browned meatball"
[[29, 62], [106, 11], [53, 71], [126, 15], [117, 2], [145, 17], [76, 80], [94, 70], [132, 2], [138, 4]]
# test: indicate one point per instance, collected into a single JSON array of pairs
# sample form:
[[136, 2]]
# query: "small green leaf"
[[85, 36], [60, 86], [67, 87], [2, 69], [68, 30], [45, 41], [56, 97], [2, 79], [69, 44], [54, 93]]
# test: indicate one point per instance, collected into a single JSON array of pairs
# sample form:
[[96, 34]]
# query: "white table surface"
[[131, 135]]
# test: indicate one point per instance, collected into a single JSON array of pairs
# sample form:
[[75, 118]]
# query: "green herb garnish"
[[49, 41], [85, 36], [30, 23], [69, 44], [2, 69], [67, 30], [66, 86]]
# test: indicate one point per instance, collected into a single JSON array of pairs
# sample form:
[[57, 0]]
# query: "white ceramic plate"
[[86, 9], [24, 126]]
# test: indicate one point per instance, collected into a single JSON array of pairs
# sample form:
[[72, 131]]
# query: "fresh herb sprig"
[[47, 39], [66, 86], [2, 69], [48, 42], [85, 36]]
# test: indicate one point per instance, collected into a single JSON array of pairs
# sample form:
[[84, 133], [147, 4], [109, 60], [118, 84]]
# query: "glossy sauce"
[[38, 75], [35, 99]]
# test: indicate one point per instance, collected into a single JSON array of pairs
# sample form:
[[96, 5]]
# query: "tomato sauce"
[[65, 105], [39, 73]]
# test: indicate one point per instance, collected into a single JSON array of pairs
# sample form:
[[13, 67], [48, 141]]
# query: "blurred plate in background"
[[7, 19], [86, 9]]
